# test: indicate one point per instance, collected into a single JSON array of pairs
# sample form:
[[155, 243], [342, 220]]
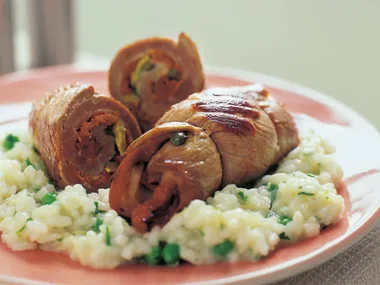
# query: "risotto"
[[294, 202]]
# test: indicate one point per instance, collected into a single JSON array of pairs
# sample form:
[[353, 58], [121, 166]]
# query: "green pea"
[[170, 253], [48, 198], [178, 139], [224, 248], [154, 256]]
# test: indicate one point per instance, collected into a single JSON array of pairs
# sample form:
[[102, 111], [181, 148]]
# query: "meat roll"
[[81, 135], [151, 75], [244, 130], [163, 172]]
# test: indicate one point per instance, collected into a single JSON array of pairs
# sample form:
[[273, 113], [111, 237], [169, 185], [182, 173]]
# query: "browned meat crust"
[[163, 172], [232, 136]]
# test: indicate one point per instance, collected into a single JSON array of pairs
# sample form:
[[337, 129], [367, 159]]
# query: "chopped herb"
[[97, 211], [306, 194], [222, 226], [272, 188], [60, 239], [224, 248], [154, 256], [173, 74], [310, 174], [202, 233], [10, 141], [108, 236], [326, 193], [35, 190], [28, 162], [284, 236], [284, 220], [170, 253], [178, 139], [23, 228], [242, 196], [97, 224], [48, 198]]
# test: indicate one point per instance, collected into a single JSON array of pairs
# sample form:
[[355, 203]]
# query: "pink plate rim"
[[290, 267]]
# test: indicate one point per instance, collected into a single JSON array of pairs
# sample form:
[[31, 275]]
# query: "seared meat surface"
[[162, 173], [224, 136]]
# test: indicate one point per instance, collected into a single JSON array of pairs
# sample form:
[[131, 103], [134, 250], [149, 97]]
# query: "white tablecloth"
[[359, 265]]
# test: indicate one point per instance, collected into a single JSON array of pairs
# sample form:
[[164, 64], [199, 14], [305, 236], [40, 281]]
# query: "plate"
[[358, 152]]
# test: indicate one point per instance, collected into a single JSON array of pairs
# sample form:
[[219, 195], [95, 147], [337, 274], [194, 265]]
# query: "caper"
[[178, 139]]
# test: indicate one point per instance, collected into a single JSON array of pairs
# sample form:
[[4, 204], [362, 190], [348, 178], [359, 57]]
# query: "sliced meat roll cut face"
[[162, 172], [150, 75], [81, 135], [242, 132]]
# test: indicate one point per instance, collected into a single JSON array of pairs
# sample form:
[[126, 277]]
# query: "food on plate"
[[218, 137], [172, 165], [294, 202], [81, 135], [151, 75], [224, 175]]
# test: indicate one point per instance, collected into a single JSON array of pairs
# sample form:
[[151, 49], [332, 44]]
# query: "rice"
[[293, 203]]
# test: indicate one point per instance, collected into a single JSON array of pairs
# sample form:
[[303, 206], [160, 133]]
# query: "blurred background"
[[329, 46]]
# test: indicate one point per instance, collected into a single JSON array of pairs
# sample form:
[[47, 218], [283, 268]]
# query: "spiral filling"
[[101, 140], [162, 172], [154, 73], [158, 206]]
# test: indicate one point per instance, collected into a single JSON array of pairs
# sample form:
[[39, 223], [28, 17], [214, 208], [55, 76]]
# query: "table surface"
[[358, 265]]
